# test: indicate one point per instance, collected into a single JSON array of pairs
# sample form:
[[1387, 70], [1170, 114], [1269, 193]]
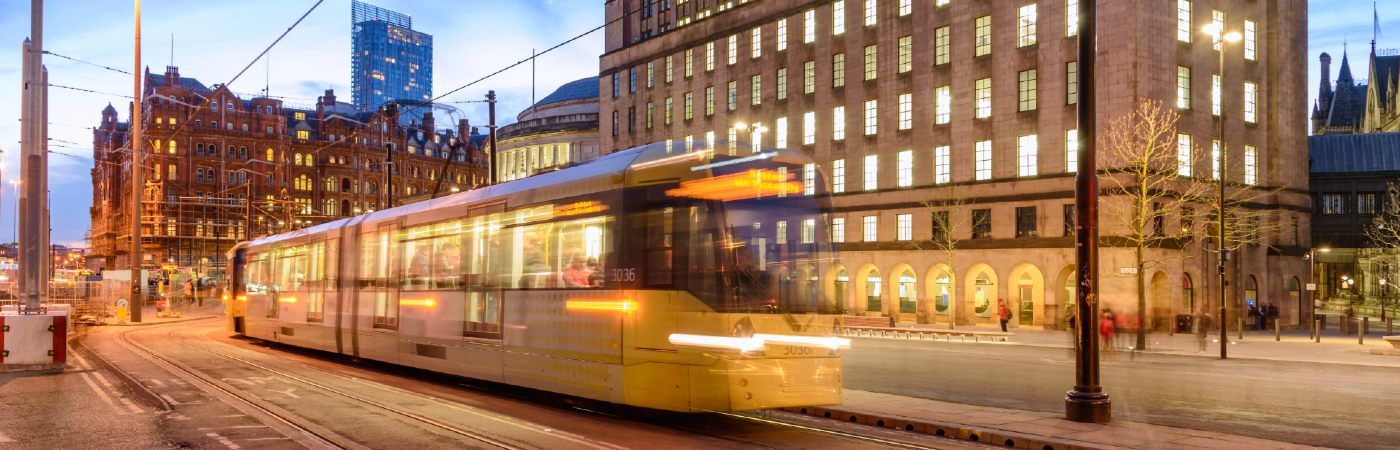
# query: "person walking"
[[1202, 329], [1003, 313], [1107, 330], [1272, 314]]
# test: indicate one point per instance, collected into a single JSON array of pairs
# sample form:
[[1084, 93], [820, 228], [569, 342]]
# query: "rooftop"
[[1341, 153]]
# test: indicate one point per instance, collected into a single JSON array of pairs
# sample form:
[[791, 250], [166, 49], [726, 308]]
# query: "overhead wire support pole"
[[491, 156], [33, 245], [137, 193], [1087, 402]]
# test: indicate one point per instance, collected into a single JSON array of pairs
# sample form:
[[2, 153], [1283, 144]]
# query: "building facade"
[[389, 60], [903, 101], [207, 153], [559, 130], [1349, 107], [1349, 179]]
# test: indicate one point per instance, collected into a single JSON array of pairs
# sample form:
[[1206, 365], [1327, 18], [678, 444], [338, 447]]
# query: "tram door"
[[486, 250]]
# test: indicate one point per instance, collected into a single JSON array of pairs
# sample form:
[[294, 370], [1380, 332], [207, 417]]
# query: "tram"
[[652, 277]]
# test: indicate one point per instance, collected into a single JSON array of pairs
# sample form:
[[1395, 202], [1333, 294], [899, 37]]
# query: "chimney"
[[428, 123], [1326, 87], [329, 98], [172, 76], [463, 126]]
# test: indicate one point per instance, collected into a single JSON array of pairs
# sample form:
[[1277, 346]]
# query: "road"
[[232, 393], [1335, 405]]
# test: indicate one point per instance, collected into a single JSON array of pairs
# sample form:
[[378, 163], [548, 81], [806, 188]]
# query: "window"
[[984, 160], [782, 34], [809, 231], [1215, 95], [940, 227], [1334, 203], [669, 104], [1072, 83], [871, 178], [1183, 20], [782, 84], [870, 117], [1068, 220], [838, 176], [1071, 18], [871, 62], [733, 51], [632, 80], [869, 229], [906, 54], [710, 142], [709, 101], [942, 105], [1072, 151], [689, 105], [615, 88], [1025, 222], [838, 17], [809, 26], [1183, 155], [809, 128], [1026, 93], [905, 173], [984, 98], [906, 7], [733, 141], [303, 134], [1183, 87], [780, 232], [780, 132], [1217, 18], [809, 77], [1251, 105], [689, 62], [809, 179], [1215, 159], [1249, 40], [984, 35], [1366, 202], [838, 70], [670, 68], [1188, 219], [709, 56], [755, 91], [614, 123], [651, 74], [1026, 154], [651, 110], [942, 170], [1251, 165], [838, 229], [940, 46], [906, 111], [1025, 25], [756, 43], [981, 223], [871, 12], [838, 123], [904, 227]]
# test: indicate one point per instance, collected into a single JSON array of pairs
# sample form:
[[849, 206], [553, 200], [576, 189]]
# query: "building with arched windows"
[[558, 130]]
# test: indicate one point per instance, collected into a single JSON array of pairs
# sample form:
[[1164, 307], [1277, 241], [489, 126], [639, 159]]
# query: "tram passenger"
[[595, 272], [577, 274], [445, 266], [418, 268]]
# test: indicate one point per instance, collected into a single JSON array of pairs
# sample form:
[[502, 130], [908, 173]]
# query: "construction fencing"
[[90, 301]]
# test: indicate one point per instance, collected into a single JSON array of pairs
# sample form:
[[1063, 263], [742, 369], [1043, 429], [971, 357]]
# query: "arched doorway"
[[1295, 296], [981, 294], [1065, 296], [868, 286], [940, 285], [840, 285], [1188, 294], [1026, 295], [1159, 310], [1251, 296], [908, 296]]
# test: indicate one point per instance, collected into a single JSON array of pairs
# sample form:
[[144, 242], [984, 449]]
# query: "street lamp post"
[[1219, 36]]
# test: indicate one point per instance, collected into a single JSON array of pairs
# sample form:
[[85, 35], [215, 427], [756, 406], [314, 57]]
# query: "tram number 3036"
[[794, 350], [622, 275]]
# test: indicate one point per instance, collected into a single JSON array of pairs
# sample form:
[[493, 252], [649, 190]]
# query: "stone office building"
[[899, 99]]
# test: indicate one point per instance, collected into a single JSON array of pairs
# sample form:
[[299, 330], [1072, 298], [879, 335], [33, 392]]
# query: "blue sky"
[[471, 38]]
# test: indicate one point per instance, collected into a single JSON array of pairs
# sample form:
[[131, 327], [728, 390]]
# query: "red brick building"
[[207, 151]]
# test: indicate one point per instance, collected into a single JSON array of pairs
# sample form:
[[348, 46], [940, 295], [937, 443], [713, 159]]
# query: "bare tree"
[[952, 219], [1383, 236], [1149, 182], [1252, 217]]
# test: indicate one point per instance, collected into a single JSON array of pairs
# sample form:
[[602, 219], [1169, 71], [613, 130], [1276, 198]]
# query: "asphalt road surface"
[[1335, 405], [234, 393]]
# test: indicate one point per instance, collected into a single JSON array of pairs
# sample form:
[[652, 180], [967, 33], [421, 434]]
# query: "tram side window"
[[255, 274], [376, 265], [432, 256], [292, 269], [315, 301], [563, 254], [659, 235], [483, 251]]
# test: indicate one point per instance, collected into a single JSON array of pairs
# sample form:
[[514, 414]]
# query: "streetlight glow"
[[1233, 37]]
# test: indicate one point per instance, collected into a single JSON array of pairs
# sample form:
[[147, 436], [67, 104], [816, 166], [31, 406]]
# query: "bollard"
[[1361, 332], [1278, 336], [1317, 325], [1389, 327]]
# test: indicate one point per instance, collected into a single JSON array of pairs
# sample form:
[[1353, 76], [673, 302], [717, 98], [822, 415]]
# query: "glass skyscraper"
[[390, 61]]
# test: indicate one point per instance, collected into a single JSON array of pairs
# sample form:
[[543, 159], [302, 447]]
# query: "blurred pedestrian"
[[1003, 313], [1107, 329], [1202, 329], [1272, 314]]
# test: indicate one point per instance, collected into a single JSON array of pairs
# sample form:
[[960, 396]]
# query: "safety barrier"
[[926, 333]]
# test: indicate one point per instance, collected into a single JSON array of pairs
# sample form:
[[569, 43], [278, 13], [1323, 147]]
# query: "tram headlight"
[[833, 343], [742, 345]]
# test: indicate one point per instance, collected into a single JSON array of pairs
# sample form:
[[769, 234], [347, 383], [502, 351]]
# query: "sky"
[[472, 38]]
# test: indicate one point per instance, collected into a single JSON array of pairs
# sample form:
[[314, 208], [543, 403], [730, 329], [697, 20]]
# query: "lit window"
[[984, 35], [809, 77], [1251, 168], [906, 7], [905, 170], [689, 62], [733, 51], [1215, 95], [780, 231], [669, 104], [756, 90], [1027, 151], [904, 227], [732, 93], [689, 105], [1217, 18], [780, 132], [670, 68], [1071, 82], [838, 123], [1183, 87], [709, 100], [1183, 20], [942, 105], [871, 107], [906, 111], [1249, 40], [870, 180], [809, 26], [297, 115], [303, 134], [838, 229], [838, 70], [1214, 159], [906, 54], [809, 230], [651, 111], [940, 46], [709, 56], [733, 142], [984, 160], [1251, 105], [1025, 25], [838, 176], [1071, 151], [868, 229], [782, 84], [941, 2], [756, 42], [871, 12], [710, 141], [171, 147], [942, 167], [1183, 155], [838, 17], [1026, 95], [809, 179], [984, 98], [651, 74], [871, 65], [1071, 18], [782, 34], [809, 128]]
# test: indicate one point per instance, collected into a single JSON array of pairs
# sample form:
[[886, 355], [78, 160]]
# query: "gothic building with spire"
[[1349, 106]]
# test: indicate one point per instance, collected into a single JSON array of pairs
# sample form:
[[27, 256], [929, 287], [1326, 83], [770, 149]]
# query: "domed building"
[[559, 130]]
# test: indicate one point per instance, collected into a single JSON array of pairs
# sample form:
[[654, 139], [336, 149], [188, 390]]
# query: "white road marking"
[[87, 378], [224, 440], [125, 401], [269, 439], [287, 392]]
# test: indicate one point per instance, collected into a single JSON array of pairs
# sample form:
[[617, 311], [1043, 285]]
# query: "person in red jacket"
[[1003, 313]]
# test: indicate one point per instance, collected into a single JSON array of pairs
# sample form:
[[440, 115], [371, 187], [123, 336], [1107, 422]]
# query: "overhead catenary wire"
[[46, 52]]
